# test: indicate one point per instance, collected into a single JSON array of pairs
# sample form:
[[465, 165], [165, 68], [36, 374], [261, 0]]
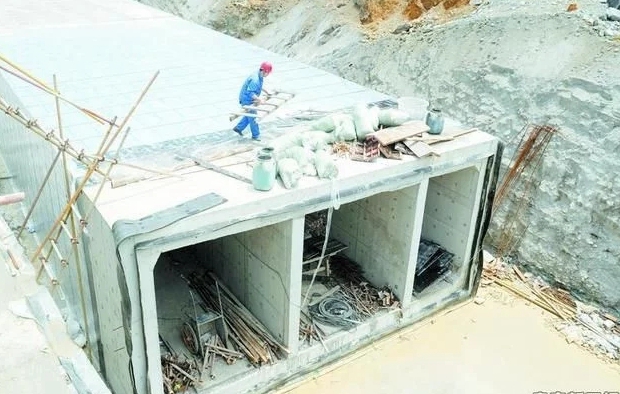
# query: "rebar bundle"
[[520, 181]]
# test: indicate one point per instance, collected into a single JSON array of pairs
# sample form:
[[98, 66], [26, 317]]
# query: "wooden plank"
[[247, 108], [435, 138], [213, 167], [390, 153], [324, 295], [420, 149], [402, 148], [395, 134]]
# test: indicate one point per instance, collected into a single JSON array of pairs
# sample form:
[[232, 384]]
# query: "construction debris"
[[178, 375], [308, 330], [342, 149], [366, 151], [363, 296], [581, 324], [244, 333]]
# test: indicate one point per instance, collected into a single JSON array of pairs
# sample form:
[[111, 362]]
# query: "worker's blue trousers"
[[247, 120]]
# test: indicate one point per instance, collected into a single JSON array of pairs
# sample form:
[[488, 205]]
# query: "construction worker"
[[250, 95]]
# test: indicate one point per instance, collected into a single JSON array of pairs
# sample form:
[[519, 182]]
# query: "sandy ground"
[[501, 346]]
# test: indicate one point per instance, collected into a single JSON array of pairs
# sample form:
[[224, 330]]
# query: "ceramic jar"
[[264, 172], [435, 121]]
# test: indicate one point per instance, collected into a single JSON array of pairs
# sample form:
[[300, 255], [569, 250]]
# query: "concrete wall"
[[237, 241], [106, 286], [28, 158], [451, 204], [382, 232], [262, 267]]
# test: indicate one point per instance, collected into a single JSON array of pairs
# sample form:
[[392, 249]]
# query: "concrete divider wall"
[[381, 232], [451, 202], [262, 267]]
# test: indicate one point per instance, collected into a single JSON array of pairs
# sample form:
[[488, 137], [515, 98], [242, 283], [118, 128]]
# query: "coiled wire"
[[335, 311]]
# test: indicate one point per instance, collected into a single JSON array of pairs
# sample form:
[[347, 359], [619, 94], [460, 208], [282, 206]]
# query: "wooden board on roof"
[[394, 134]]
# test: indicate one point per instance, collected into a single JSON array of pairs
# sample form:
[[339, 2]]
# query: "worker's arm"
[[255, 90], [257, 100]]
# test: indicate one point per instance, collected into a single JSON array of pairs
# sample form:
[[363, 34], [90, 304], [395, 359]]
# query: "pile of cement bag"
[[308, 153], [304, 154], [362, 121]]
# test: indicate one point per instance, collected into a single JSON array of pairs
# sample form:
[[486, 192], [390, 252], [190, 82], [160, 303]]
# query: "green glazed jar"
[[434, 120], [264, 173]]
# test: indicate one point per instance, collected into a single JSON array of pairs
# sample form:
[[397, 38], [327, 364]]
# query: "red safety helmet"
[[266, 67]]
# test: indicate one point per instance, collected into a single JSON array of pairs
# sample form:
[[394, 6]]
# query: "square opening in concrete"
[[366, 265], [227, 298], [447, 231]]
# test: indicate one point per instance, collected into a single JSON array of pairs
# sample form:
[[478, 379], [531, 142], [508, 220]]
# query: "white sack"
[[362, 118], [289, 172], [392, 117], [345, 128], [325, 124], [325, 165]]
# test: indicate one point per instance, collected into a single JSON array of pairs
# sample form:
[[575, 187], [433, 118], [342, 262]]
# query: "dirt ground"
[[503, 345]]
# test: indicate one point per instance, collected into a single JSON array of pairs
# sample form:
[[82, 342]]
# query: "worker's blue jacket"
[[251, 87]]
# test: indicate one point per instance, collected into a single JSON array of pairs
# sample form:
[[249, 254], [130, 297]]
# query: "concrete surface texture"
[[201, 70], [497, 65], [500, 346]]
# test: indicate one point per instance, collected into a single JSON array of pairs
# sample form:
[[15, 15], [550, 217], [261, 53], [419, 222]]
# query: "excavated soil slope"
[[497, 65]]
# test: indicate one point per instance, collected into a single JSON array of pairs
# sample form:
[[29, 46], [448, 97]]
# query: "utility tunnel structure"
[[257, 256], [405, 233]]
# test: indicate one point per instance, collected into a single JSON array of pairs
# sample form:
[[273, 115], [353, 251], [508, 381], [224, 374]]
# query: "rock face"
[[499, 69]]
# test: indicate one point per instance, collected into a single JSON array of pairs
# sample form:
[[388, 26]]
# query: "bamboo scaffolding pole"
[[72, 210], [38, 195], [68, 207], [68, 233], [48, 136], [107, 147], [34, 81], [91, 169], [134, 166], [72, 233], [63, 261], [142, 168]]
